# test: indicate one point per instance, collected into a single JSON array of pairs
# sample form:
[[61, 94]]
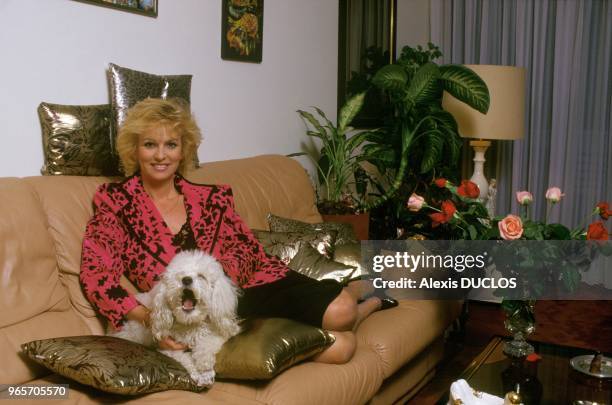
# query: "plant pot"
[[360, 222]]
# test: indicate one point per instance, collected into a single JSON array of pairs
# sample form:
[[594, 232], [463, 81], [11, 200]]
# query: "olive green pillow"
[[76, 140], [110, 364], [311, 263], [285, 245], [269, 346], [346, 234]]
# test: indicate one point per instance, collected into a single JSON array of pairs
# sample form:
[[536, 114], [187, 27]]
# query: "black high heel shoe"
[[386, 303]]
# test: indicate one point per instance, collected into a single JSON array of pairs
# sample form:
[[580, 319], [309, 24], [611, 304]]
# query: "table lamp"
[[505, 119]]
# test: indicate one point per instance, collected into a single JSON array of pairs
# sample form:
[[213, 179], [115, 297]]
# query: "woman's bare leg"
[[341, 318], [360, 289], [341, 351]]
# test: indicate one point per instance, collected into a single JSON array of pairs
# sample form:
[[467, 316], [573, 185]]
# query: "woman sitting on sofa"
[[141, 223]]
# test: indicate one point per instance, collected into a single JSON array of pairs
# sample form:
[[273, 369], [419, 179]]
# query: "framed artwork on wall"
[[242, 30], [144, 7]]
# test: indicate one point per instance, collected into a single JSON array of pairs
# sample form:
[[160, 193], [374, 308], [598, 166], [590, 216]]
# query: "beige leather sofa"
[[42, 220]]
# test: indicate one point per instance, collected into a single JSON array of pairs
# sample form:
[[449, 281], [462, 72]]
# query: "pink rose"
[[511, 227], [554, 194], [415, 202], [524, 197]]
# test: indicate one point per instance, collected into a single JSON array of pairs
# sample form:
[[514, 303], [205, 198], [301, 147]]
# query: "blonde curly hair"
[[174, 113]]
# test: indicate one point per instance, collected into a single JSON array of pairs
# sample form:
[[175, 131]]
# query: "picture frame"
[[242, 30], [143, 7]]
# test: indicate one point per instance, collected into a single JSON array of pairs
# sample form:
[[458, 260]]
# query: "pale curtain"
[[566, 47]]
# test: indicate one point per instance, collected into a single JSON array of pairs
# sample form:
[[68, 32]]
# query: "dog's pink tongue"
[[188, 304]]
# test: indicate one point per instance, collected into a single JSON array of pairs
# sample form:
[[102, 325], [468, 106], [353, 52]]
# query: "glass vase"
[[520, 322]]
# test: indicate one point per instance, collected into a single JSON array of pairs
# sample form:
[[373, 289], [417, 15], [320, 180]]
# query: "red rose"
[[441, 182], [604, 210], [468, 189], [448, 210], [597, 231]]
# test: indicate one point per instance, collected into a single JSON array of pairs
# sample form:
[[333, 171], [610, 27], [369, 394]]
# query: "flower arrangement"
[[463, 216], [537, 266], [453, 213], [514, 227], [457, 211]]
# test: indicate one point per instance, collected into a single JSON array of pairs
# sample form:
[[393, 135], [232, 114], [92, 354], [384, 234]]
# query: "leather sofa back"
[[42, 221], [33, 301], [264, 184]]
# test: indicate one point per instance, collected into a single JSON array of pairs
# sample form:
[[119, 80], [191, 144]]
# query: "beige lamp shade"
[[506, 116]]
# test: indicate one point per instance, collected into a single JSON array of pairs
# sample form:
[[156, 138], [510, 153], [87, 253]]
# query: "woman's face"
[[159, 154]]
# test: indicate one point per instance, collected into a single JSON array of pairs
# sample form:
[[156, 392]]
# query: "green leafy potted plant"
[[420, 139], [338, 164]]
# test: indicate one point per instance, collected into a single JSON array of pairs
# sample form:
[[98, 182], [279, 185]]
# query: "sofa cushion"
[[110, 364], [315, 383], [33, 302], [85, 395], [30, 283], [350, 253], [399, 334], [58, 320], [313, 264], [346, 234], [128, 87], [269, 346], [67, 204], [285, 245], [76, 140]]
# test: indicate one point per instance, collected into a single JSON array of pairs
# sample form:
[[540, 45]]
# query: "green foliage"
[[337, 163], [419, 139], [462, 83]]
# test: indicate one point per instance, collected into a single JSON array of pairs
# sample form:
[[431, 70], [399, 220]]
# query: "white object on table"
[[462, 394]]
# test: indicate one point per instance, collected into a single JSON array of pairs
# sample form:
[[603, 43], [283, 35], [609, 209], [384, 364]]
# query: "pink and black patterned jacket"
[[127, 235]]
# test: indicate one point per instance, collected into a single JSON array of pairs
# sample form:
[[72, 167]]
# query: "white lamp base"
[[480, 147]]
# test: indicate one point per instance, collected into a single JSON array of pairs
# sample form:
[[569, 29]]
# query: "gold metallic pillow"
[[110, 364], [128, 87], [285, 245], [311, 263], [77, 140], [269, 346], [350, 254], [345, 231]]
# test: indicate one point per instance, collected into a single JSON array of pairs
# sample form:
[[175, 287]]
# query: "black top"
[[184, 239]]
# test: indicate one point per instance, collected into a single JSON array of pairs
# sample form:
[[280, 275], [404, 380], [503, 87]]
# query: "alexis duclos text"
[[458, 263]]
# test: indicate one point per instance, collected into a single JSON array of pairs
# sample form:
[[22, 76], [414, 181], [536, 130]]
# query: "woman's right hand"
[[168, 343]]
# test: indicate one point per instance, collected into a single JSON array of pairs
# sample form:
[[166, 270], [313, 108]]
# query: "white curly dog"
[[195, 304]]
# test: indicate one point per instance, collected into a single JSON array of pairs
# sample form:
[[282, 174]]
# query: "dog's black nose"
[[187, 280]]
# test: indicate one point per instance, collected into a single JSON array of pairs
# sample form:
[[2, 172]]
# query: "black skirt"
[[295, 297]]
